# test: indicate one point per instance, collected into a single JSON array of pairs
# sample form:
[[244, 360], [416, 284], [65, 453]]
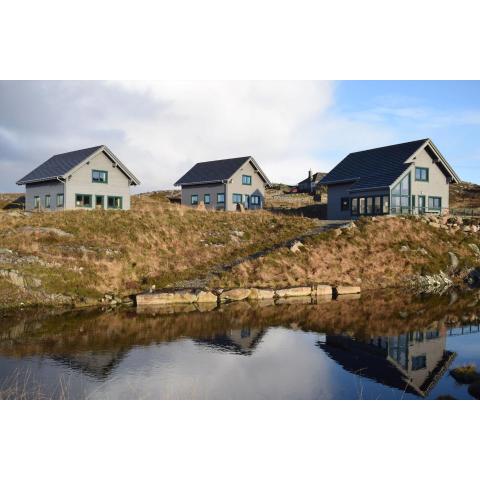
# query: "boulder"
[[294, 292], [14, 277], [434, 225], [235, 294], [474, 228], [54, 231], [166, 298], [347, 290], [467, 229], [206, 297], [475, 249], [261, 293], [238, 233], [454, 262], [337, 232], [5, 251], [323, 290], [295, 247]]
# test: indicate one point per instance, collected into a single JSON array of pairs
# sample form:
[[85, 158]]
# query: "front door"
[[247, 202], [99, 201], [421, 204]]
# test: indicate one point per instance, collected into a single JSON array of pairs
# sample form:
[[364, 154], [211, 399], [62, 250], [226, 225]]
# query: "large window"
[[206, 199], [255, 200], [246, 180], [237, 198], [354, 206], [36, 202], [385, 204], [421, 174], [369, 205], [361, 206], [434, 203], [114, 202], [59, 199], [419, 362], [401, 196], [194, 199], [344, 204], [377, 205], [82, 200], [220, 198], [99, 176], [47, 201]]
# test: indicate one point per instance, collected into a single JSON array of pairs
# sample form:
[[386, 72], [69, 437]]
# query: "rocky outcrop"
[[261, 294], [235, 294], [294, 292], [54, 231], [19, 280], [322, 290], [204, 296], [166, 298], [347, 290]]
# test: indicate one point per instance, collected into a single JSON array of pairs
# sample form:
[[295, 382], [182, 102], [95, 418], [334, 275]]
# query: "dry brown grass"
[[154, 243], [369, 255]]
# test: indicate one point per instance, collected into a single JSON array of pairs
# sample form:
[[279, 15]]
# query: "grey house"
[[407, 178], [309, 184], [84, 179], [224, 184]]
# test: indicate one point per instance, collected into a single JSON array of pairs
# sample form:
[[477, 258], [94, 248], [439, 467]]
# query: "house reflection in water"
[[412, 362], [240, 341]]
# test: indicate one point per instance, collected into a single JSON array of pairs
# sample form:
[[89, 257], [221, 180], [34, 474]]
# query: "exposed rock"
[[467, 229], [20, 280], [474, 249], [295, 247], [261, 293], [347, 290], [294, 292], [438, 283], [337, 232], [204, 296], [404, 248], [238, 233], [435, 225], [454, 262], [323, 290], [5, 251], [234, 294], [166, 298], [422, 251], [474, 228], [55, 231]]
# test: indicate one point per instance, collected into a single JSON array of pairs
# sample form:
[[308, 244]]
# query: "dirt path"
[[202, 282]]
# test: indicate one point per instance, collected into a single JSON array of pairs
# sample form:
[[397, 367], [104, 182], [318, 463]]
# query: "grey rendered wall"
[[41, 189], [436, 186], [335, 194], [81, 182], [235, 186], [201, 190]]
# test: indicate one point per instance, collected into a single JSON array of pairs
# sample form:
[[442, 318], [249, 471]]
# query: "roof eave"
[[38, 180], [181, 184]]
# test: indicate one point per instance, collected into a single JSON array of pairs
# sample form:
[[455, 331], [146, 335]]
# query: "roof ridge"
[[389, 146]]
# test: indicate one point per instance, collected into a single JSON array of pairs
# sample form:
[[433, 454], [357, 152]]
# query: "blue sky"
[[448, 112], [160, 129]]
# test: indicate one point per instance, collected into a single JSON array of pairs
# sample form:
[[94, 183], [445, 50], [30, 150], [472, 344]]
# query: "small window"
[[255, 200], [36, 202], [344, 204], [419, 362], [194, 199], [434, 203], [115, 202], [47, 201], [421, 174], [84, 201], [237, 198], [354, 206], [220, 198], [206, 199], [59, 199], [246, 180], [377, 205], [99, 176], [361, 207]]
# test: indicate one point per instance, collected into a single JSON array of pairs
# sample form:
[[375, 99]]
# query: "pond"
[[380, 346]]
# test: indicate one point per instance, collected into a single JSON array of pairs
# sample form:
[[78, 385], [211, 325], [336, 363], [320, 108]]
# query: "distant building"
[[309, 185], [83, 179], [225, 184], [408, 178]]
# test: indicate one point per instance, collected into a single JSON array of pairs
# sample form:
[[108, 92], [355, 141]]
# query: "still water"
[[382, 346]]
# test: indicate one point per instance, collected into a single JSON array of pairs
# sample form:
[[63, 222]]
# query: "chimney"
[[310, 176]]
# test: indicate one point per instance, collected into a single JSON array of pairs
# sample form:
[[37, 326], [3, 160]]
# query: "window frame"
[[99, 181], [62, 196], [83, 195], [244, 178], [255, 200], [354, 201], [220, 194], [205, 195], [48, 196], [114, 197], [416, 366], [237, 195], [36, 201], [420, 170], [196, 198], [430, 208]]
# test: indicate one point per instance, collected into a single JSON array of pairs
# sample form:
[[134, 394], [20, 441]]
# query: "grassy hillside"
[[465, 195], [155, 243], [378, 252]]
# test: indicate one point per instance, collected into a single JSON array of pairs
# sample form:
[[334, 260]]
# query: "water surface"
[[387, 346]]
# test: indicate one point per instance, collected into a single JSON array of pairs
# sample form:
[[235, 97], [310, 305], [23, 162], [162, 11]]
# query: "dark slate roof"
[[58, 165], [316, 177], [214, 171], [375, 168]]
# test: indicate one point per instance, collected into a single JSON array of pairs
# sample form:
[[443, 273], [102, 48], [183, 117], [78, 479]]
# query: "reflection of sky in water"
[[246, 361]]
